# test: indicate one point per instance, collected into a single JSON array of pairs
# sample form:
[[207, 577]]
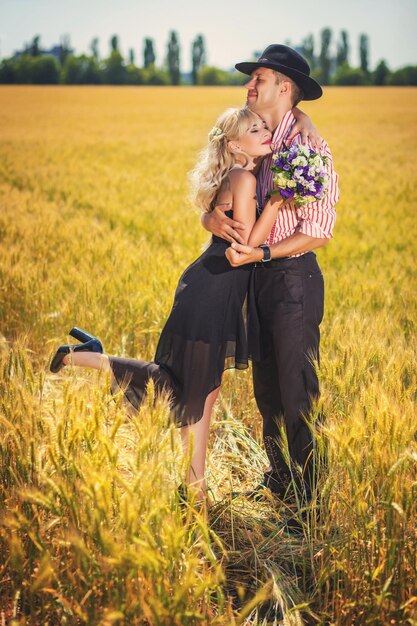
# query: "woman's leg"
[[197, 436], [95, 360], [194, 434]]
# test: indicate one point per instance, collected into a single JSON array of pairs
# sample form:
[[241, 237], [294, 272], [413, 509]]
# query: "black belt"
[[273, 262], [278, 262]]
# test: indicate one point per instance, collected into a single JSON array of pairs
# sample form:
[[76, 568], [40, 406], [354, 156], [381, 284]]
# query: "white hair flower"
[[215, 134]]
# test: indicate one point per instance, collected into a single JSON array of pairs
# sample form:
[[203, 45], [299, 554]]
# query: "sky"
[[233, 29]]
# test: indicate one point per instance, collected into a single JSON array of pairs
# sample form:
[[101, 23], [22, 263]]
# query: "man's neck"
[[273, 117]]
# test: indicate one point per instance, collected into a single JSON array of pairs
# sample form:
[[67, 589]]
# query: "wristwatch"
[[267, 252]]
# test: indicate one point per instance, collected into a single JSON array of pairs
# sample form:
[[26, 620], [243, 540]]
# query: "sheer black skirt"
[[205, 333]]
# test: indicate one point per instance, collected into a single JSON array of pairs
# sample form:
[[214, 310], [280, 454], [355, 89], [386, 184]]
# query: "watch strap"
[[266, 252]]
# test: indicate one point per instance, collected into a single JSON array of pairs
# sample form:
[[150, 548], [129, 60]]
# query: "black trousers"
[[289, 297]]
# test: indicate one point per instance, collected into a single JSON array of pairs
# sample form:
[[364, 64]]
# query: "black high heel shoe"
[[90, 344], [81, 335]]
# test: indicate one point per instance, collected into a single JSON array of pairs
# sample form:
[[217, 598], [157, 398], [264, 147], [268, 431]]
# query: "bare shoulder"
[[242, 179]]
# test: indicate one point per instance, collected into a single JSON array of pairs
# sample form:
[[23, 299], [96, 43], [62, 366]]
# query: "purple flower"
[[287, 193], [309, 180]]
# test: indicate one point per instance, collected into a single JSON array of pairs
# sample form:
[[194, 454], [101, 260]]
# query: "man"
[[287, 281]]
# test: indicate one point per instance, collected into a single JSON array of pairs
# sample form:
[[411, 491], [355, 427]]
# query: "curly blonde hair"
[[216, 160]]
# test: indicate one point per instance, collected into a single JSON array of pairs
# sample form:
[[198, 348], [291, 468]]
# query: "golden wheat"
[[95, 231]]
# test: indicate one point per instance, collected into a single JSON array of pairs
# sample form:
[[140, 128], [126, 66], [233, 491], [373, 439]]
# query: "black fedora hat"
[[289, 62]]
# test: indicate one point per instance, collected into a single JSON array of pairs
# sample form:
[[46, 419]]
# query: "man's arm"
[[298, 243], [217, 223]]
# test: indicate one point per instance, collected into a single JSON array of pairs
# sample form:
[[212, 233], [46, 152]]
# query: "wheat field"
[[95, 231]]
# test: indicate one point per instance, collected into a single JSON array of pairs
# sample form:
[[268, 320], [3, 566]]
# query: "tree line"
[[336, 69], [61, 66], [36, 66]]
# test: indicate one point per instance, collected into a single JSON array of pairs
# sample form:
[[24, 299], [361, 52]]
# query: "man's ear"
[[233, 147], [285, 86]]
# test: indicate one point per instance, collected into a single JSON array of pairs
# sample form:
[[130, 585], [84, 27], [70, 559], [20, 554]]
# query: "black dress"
[[205, 333]]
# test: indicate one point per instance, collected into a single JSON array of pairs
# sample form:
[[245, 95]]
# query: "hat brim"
[[310, 87]]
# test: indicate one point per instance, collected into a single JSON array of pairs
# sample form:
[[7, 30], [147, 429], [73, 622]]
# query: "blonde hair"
[[216, 160]]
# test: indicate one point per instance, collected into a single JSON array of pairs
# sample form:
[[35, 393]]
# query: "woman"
[[205, 332]]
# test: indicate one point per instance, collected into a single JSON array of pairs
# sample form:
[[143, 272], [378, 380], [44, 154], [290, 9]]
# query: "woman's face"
[[256, 140]]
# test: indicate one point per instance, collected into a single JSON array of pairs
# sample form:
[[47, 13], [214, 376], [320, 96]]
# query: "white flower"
[[317, 162], [300, 160], [304, 150]]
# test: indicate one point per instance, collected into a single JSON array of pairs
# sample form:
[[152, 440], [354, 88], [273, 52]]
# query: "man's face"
[[263, 91]]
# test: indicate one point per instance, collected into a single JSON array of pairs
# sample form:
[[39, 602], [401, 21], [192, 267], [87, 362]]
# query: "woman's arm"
[[308, 131], [243, 187], [265, 222]]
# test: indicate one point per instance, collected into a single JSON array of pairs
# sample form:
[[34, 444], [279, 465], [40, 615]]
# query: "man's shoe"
[[294, 526], [262, 491], [259, 493], [273, 484], [92, 345]]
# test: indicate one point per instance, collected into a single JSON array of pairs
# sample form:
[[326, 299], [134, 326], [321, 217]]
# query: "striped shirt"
[[315, 219]]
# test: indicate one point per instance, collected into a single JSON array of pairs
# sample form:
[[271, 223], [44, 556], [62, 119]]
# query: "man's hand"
[[308, 131], [217, 223], [298, 243], [238, 254]]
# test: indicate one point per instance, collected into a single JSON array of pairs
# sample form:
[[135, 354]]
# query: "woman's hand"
[[309, 133], [240, 255], [217, 223]]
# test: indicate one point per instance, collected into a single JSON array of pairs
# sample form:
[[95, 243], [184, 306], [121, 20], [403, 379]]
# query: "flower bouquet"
[[301, 174]]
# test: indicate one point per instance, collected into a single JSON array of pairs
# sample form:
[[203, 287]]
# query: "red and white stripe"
[[315, 219]]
